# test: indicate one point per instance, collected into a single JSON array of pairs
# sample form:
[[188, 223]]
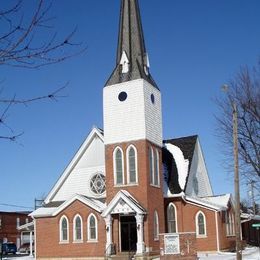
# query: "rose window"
[[98, 184]]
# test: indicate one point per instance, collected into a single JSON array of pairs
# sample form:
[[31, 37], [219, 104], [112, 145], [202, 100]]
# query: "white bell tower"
[[131, 98]]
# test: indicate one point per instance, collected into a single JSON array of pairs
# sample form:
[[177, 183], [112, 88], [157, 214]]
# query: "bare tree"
[[244, 91], [20, 47]]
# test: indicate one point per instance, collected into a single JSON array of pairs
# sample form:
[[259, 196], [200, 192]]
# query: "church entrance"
[[128, 233]]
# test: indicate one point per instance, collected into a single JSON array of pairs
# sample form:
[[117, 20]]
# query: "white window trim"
[[151, 165], [74, 229], [60, 224], [156, 225], [128, 166], [230, 225], [90, 239], [175, 215], [114, 166], [197, 225]]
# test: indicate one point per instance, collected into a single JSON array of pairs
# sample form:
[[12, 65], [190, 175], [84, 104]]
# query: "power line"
[[16, 206]]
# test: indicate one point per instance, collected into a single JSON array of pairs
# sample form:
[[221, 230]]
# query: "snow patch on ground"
[[250, 253]]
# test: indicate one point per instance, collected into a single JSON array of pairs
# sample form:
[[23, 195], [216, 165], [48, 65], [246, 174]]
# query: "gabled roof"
[[207, 203], [94, 132], [186, 144], [127, 198], [177, 183], [131, 51], [54, 211], [222, 200]]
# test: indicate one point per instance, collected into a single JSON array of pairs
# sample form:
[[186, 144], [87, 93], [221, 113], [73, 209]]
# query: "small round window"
[[152, 98], [122, 96], [98, 184]]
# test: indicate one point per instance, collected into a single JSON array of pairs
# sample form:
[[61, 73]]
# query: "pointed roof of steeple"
[[132, 60]]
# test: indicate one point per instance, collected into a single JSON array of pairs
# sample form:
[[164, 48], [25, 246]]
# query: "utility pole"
[[252, 182], [236, 183]]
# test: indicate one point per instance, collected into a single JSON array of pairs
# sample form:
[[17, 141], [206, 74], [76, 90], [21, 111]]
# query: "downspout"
[[217, 230]]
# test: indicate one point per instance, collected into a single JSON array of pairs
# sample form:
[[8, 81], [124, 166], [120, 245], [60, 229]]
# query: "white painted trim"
[[197, 225], [84, 200], [74, 229], [175, 213], [114, 165], [96, 229], [204, 204], [60, 228], [122, 194], [94, 132], [136, 165], [217, 231]]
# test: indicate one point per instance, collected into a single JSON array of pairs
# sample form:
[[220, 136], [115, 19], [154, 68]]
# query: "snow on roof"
[[42, 212], [221, 200], [53, 211], [181, 163], [208, 203]]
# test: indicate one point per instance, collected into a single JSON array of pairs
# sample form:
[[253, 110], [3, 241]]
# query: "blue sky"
[[194, 47]]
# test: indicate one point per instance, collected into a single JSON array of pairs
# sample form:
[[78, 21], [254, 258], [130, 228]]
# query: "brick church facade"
[[127, 191]]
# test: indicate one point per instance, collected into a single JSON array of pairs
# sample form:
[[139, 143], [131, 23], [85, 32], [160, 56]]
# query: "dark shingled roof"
[[131, 41], [187, 146]]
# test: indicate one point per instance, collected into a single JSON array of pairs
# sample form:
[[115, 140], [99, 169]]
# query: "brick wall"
[[48, 241], [150, 197], [186, 215], [187, 247]]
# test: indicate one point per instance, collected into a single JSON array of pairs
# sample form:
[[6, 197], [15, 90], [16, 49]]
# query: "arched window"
[[156, 226], [172, 218], [92, 228], [200, 224], [118, 166], [64, 229], [132, 164], [156, 169], [77, 228], [151, 162]]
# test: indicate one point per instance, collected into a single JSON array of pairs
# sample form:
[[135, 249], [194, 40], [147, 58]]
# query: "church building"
[[127, 192]]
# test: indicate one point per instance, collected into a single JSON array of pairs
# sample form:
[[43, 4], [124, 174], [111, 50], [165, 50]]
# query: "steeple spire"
[[132, 60]]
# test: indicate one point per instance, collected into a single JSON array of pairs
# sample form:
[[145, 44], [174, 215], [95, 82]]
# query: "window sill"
[[125, 185], [92, 241], [78, 241], [230, 235], [155, 186], [63, 242], [201, 236]]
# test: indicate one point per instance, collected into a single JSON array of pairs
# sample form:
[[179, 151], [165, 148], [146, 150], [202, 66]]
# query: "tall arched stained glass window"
[[77, 228], [151, 163], [64, 227], [118, 167], [172, 218], [132, 164], [92, 227]]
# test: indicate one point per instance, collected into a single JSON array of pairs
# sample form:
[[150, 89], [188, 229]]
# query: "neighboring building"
[[250, 234], [9, 224], [126, 190]]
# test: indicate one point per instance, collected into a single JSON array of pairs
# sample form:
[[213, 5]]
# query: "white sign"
[[171, 244]]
